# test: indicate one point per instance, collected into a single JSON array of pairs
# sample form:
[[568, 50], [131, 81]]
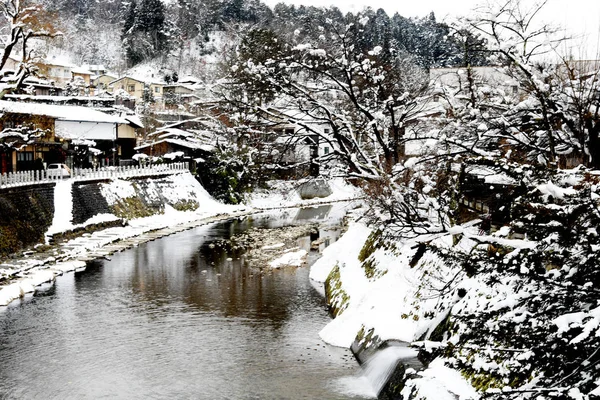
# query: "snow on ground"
[[440, 382], [386, 303], [284, 194], [36, 278], [290, 259], [117, 189], [401, 302], [63, 208]]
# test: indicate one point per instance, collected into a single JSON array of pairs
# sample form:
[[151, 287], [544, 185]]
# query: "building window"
[[131, 88], [326, 130], [326, 150], [25, 156], [25, 160], [156, 89], [9, 124]]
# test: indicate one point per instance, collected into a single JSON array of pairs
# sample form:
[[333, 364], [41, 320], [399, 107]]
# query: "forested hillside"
[[185, 35]]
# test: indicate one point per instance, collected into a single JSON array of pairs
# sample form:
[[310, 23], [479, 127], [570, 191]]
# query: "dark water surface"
[[175, 318]]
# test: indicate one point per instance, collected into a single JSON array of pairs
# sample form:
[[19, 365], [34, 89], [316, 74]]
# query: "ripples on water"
[[160, 321]]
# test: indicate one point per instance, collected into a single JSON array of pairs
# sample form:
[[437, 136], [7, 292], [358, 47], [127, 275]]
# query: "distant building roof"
[[59, 112], [180, 142], [82, 71], [140, 80]]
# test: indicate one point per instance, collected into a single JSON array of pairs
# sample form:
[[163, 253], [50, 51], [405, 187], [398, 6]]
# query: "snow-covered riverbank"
[[384, 292], [22, 275]]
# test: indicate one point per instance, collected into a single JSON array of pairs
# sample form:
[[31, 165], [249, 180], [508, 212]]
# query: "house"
[[303, 140], [127, 135], [57, 71], [96, 70], [457, 79], [17, 152], [84, 74], [101, 82], [135, 87], [173, 142], [12, 64], [178, 94], [31, 85], [62, 132]]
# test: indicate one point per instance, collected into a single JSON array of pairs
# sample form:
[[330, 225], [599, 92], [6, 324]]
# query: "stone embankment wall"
[[26, 212]]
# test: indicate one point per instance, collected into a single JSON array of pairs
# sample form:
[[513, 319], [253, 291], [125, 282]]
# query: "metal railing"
[[24, 178]]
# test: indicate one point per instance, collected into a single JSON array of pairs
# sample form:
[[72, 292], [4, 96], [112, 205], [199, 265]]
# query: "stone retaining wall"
[[88, 201], [26, 212]]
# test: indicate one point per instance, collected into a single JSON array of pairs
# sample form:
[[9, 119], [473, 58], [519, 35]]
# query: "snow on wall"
[[385, 303]]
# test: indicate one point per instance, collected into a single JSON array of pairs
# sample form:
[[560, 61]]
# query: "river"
[[178, 318]]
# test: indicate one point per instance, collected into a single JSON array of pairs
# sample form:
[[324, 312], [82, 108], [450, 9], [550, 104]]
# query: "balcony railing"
[[24, 178]]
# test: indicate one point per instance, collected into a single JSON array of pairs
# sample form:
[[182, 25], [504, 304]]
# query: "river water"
[[177, 318]]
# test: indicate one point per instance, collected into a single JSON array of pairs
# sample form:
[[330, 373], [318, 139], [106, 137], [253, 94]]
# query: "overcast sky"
[[578, 17]]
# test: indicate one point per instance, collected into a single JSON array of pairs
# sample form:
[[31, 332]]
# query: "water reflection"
[[175, 318]]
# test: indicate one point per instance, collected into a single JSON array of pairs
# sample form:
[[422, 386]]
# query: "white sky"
[[579, 17]]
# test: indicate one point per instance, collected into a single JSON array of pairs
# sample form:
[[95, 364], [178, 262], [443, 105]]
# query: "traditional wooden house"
[[32, 131], [178, 94], [167, 142], [26, 137], [57, 71], [135, 87], [100, 83], [84, 74]]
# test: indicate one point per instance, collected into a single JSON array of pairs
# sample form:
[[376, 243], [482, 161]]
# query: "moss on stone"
[[133, 207], [186, 205], [374, 242], [482, 381], [370, 246], [337, 298], [440, 331]]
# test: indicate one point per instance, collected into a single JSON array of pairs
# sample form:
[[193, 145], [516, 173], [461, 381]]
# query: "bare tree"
[[22, 22], [363, 100]]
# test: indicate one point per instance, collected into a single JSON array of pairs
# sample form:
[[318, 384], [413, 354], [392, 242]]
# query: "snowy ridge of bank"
[[26, 275], [398, 302], [284, 194]]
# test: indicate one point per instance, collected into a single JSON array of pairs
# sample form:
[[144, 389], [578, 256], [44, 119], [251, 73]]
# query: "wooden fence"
[[23, 178]]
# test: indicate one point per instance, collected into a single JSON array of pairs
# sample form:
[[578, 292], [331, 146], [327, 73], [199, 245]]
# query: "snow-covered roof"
[[134, 120], [491, 176], [179, 142], [82, 71], [190, 80], [58, 60], [139, 79], [93, 67], [64, 113], [57, 99], [167, 132], [189, 87]]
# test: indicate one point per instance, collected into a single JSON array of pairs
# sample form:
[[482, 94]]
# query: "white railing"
[[23, 178]]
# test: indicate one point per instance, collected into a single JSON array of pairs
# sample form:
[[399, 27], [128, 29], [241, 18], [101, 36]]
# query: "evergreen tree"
[[144, 31], [233, 10], [151, 20], [129, 18]]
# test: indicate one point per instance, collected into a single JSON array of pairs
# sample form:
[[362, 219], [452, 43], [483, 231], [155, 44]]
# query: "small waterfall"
[[380, 367], [377, 371]]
